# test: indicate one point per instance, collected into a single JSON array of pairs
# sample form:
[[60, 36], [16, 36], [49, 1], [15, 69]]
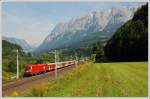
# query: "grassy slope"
[[99, 79], [7, 76]]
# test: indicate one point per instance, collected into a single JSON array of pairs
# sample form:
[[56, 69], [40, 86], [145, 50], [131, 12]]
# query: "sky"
[[33, 21]]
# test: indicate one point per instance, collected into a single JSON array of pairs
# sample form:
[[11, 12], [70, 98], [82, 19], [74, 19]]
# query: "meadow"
[[115, 79]]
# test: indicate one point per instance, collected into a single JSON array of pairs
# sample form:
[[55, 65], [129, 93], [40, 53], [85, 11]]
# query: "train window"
[[27, 68]]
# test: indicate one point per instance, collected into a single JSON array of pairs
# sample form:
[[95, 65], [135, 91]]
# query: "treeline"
[[130, 41]]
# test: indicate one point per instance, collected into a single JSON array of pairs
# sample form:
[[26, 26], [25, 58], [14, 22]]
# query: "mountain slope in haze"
[[95, 26], [25, 46]]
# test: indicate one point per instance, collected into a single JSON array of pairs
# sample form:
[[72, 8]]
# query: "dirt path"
[[24, 84]]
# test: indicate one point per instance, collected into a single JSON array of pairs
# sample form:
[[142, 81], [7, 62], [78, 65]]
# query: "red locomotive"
[[33, 69]]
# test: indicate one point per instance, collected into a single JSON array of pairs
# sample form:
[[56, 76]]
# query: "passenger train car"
[[33, 69]]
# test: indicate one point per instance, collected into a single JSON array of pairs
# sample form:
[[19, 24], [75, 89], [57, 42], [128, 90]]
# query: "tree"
[[98, 52], [39, 61], [11, 66]]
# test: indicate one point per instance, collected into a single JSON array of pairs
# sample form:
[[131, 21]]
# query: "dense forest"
[[130, 41]]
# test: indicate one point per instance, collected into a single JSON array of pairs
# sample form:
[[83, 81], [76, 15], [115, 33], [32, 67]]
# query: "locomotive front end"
[[28, 70]]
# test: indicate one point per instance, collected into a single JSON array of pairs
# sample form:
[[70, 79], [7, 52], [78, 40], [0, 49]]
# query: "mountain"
[[25, 46], [9, 48], [130, 41], [95, 26]]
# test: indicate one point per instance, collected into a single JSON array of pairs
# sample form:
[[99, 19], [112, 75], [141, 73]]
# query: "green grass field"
[[99, 79]]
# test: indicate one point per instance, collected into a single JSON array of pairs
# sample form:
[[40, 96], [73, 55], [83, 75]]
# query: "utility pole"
[[17, 66], [58, 59], [55, 64], [76, 59]]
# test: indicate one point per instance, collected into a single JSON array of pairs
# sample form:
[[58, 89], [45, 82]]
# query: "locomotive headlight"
[[27, 71]]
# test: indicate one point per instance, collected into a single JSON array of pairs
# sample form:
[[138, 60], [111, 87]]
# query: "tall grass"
[[53, 88], [100, 79], [7, 76]]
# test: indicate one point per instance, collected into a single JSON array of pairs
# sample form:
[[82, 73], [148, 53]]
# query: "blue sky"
[[33, 21]]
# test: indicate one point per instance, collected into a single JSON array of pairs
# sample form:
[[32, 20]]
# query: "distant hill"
[[8, 48], [25, 46]]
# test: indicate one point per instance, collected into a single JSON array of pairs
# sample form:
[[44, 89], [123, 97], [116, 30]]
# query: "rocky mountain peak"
[[78, 28]]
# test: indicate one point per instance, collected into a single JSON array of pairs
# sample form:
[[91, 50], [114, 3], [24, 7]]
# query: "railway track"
[[24, 84]]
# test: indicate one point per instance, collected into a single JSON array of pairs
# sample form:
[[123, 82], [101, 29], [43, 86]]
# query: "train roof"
[[29, 64], [33, 64]]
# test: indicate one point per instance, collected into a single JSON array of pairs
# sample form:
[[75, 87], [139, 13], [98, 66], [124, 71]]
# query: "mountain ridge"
[[77, 29], [21, 42]]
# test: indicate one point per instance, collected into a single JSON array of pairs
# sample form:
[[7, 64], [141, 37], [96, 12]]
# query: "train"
[[34, 69]]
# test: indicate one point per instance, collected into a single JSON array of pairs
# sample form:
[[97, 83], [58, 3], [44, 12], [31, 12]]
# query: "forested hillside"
[[130, 41], [9, 51], [9, 55]]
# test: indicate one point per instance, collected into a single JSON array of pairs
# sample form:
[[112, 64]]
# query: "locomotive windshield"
[[27, 68]]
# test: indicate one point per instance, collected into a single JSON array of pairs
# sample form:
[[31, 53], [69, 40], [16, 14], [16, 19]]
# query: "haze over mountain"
[[24, 45], [98, 25]]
